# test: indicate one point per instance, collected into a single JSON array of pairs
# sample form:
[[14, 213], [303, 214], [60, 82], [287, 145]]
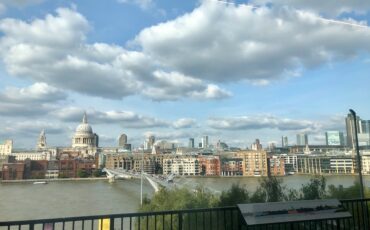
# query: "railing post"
[[180, 221], [32, 226], [111, 224]]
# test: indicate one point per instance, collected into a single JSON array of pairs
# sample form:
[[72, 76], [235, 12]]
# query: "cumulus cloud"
[[184, 123], [329, 7], [36, 99], [32, 127], [143, 4], [20, 3], [263, 122], [126, 119], [38, 92], [257, 45], [2, 8], [54, 50]]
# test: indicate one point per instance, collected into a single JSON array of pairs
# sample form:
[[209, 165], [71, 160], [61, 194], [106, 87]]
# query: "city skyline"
[[60, 59]]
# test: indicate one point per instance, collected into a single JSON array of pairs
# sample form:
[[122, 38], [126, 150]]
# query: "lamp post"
[[359, 166], [141, 178]]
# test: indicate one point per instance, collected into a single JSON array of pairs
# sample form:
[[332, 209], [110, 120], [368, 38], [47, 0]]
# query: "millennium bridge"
[[155, 181]]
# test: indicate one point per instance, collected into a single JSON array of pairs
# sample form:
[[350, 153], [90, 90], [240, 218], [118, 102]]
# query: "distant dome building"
[[84, 136]]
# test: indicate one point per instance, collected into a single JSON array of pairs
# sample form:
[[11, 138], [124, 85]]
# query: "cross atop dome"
[[84, 119]]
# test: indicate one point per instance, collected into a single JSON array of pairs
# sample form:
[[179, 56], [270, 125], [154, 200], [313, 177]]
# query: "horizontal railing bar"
[[135, 214], [150, 214]]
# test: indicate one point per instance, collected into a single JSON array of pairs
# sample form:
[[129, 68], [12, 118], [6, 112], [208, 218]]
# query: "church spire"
[[42, 140], [84, 119]]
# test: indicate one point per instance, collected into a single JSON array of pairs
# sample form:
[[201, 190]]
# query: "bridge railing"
[[194, 219]]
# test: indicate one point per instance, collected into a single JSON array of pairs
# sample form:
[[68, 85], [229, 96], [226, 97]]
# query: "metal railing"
[[193, 219]]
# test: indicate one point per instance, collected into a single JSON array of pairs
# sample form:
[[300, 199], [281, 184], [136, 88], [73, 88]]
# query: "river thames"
[[21, 201]]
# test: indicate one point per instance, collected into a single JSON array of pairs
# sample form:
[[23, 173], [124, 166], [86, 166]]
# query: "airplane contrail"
[[344, 23], [320, 18]]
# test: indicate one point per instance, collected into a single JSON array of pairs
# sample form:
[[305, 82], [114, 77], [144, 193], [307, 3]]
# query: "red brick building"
[[13, 171], [276, 166], [210, 165]]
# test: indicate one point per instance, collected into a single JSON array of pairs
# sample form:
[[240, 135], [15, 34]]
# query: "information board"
[[292, 211]]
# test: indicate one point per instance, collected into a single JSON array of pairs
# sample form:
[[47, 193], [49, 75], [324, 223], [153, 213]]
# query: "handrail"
[[106, 216]]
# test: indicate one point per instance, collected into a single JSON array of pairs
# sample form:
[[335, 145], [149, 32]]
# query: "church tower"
[[41, 143]]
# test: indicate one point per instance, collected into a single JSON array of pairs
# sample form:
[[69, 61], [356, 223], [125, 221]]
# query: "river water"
[[24, 201]]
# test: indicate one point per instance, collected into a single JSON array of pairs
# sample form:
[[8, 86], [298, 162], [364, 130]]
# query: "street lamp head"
[[352, 112]]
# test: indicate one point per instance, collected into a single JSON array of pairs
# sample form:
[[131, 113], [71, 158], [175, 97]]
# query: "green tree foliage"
[[314, 189], [98, 173], [270, 189], [176, 199], [179, 198], [82, 173], [233, 196], [352, 192]]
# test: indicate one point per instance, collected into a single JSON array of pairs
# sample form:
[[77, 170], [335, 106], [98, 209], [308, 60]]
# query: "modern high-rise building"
[[350, 128], [334, 138], [122, 140], [150, 141], [191, 143], [364, 126], [284, 141], [205, 142], [256, 145], [302, 139]]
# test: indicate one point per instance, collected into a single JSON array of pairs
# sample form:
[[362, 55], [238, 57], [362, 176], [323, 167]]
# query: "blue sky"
[[178, 69]]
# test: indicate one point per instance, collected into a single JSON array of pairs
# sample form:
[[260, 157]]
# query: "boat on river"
[[40, 182]]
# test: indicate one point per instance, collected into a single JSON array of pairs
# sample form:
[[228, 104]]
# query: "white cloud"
[[329, 7], [184, 123], [53, 50], [36, 99], [126, 119], [36, 93], [263, 122], [174, 85], [20, 3], [2, 8], [143, 4], [228, 43]]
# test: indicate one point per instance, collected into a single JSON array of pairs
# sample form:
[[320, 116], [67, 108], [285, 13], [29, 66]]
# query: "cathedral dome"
[[84, 127], [84, 136]]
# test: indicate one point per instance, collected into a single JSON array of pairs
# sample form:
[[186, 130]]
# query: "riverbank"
[[54, 180]]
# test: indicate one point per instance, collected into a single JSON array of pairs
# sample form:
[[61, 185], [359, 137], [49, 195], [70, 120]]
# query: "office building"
[[284, 141], [122, 141], [205, 142], [364, 126], [302, 139], [334, 138], [191, 143], [256, 145], [350, 128]]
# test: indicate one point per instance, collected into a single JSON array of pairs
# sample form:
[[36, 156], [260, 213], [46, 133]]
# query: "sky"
[[232, 70]]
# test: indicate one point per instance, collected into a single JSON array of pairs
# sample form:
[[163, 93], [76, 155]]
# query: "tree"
[[82, 173], [233, 196], [98, 173], [314, 189], [177, 199], [351, 192], [270, 189]]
